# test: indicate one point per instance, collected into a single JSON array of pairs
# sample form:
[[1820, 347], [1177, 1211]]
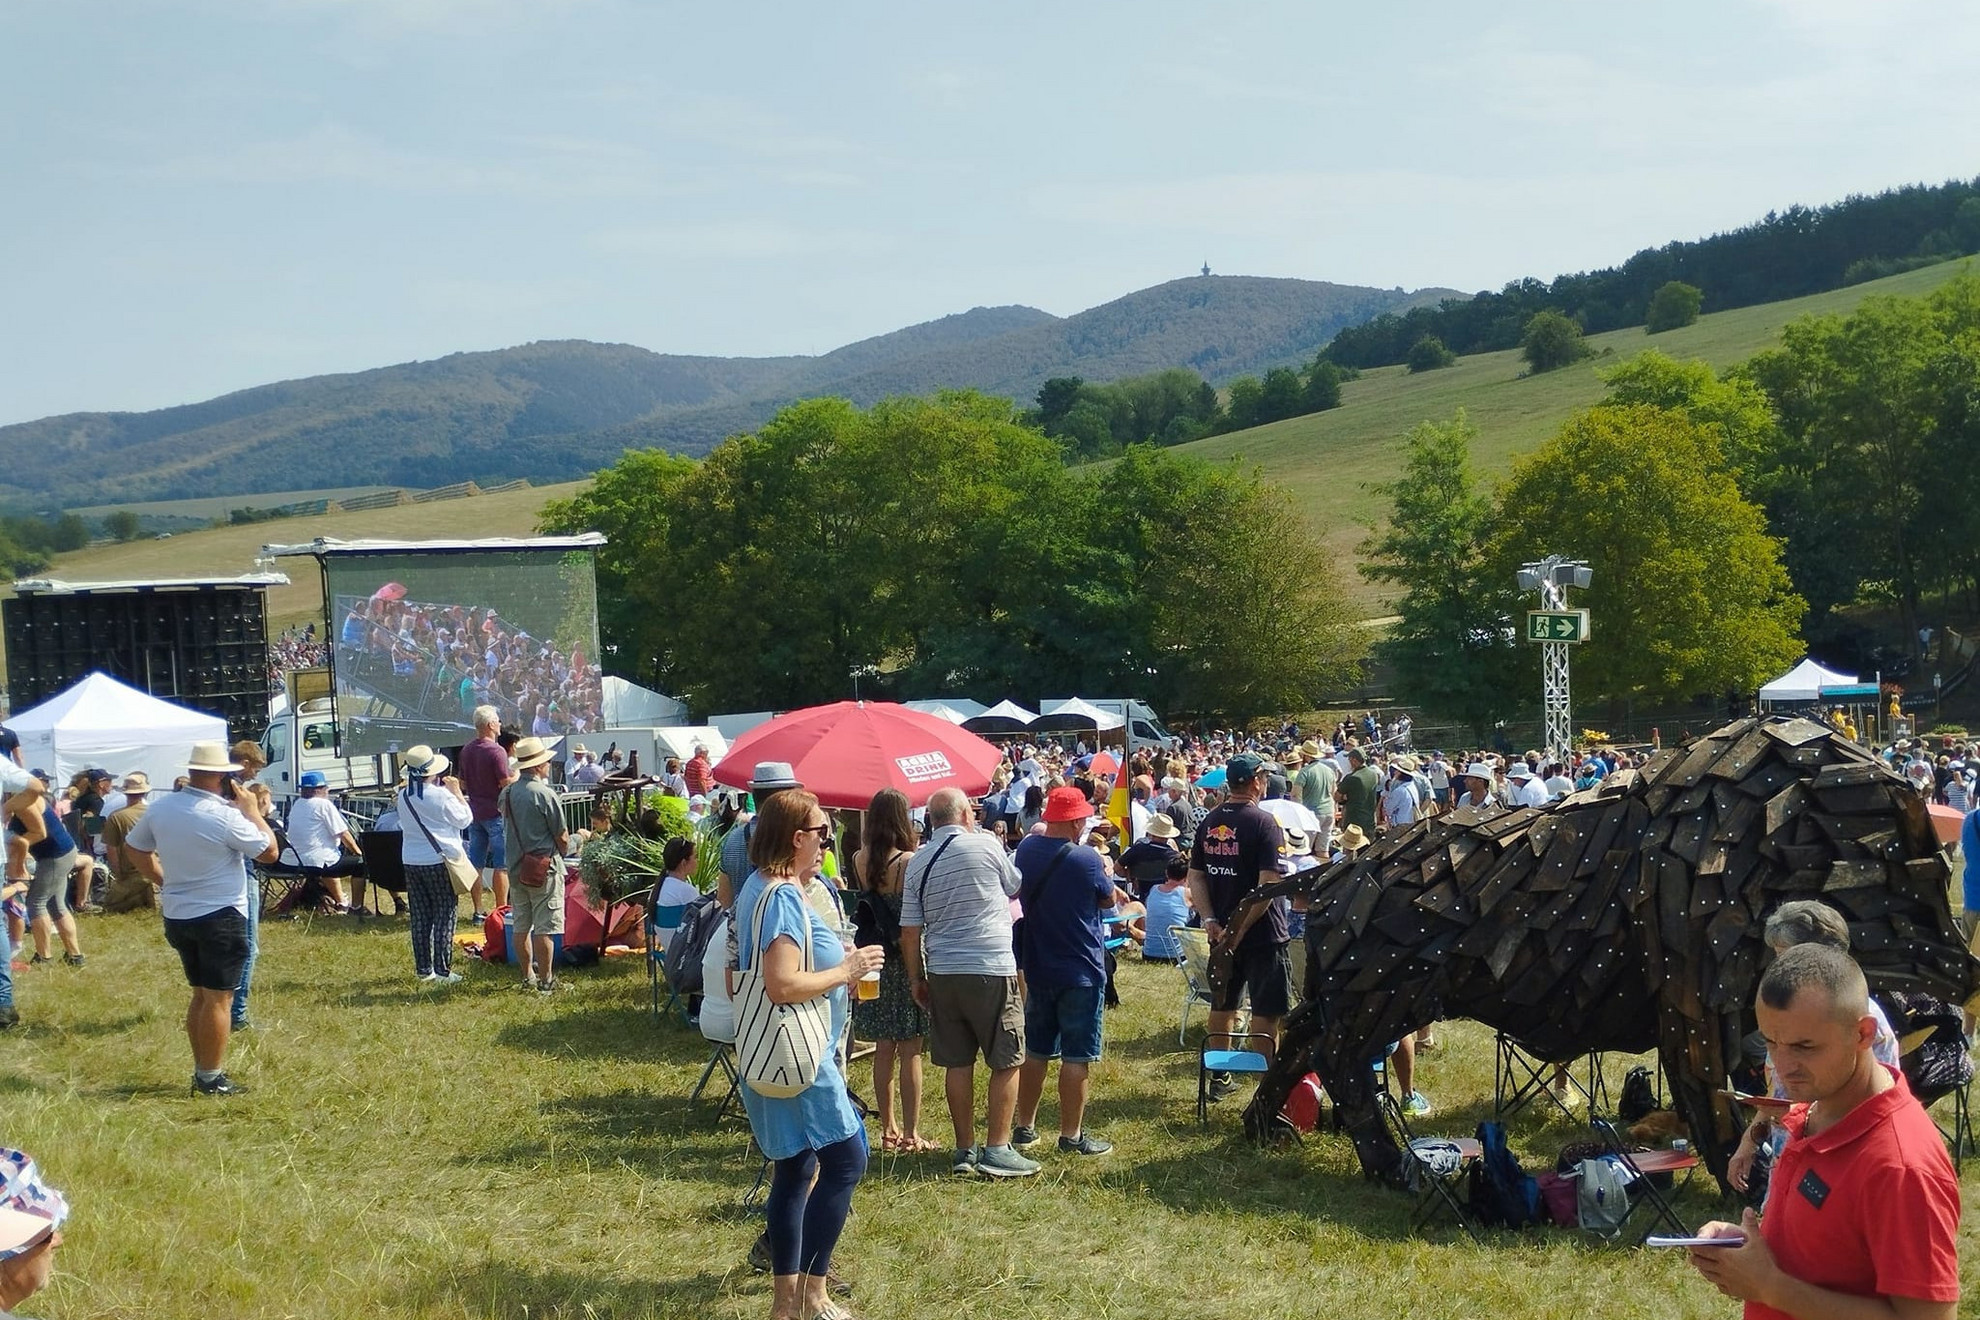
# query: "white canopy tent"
[[1807, 681], [953, 709], [101, 722], [1075, 714], [628, 705]]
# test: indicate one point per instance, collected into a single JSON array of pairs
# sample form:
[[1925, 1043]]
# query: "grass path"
[[484, 1153]]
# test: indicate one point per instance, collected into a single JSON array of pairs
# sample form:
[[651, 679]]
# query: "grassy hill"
[[1332, 461], [556, 411]]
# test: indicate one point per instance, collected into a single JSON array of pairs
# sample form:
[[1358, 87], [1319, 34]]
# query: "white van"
[[1142, 726]]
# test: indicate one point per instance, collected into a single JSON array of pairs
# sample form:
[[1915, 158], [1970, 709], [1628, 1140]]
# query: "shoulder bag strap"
[[756, 929], [1065, 850], [406, 809], [921, 891]]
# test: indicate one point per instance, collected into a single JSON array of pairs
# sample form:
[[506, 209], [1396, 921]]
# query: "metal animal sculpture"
[[1620, 918]]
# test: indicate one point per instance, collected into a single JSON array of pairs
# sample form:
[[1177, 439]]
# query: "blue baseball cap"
[[312, 779]]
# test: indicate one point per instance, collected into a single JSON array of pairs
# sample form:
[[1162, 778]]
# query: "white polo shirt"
[[202, 844], [14, 779]]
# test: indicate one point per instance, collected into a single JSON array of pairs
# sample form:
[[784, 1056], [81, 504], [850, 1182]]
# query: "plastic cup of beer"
[[869, 985]]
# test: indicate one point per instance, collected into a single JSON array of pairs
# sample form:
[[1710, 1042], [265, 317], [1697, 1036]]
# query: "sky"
[[200, 196]]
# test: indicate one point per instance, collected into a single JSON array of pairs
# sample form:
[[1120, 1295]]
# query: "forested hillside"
[[555, 411], [1788, 254]]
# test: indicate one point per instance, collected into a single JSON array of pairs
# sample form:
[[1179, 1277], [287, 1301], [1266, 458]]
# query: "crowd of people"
[[295, 649], [440, 660], [980, 932]]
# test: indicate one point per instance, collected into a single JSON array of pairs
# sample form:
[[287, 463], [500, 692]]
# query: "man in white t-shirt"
[[1527, 790], [320, 836]]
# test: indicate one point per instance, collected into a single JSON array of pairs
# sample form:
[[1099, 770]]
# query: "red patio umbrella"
[[850, 750], [1103, 763], [1946, 822]]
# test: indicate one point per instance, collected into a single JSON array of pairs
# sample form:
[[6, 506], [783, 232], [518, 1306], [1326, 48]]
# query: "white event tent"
[[1807, 681], [101, 722]]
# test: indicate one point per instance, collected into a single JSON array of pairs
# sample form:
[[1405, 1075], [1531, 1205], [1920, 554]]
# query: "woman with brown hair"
[[893, 1021], [815, 1140]]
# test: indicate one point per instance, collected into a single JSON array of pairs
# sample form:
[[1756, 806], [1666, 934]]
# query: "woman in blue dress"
[[815, 1139]]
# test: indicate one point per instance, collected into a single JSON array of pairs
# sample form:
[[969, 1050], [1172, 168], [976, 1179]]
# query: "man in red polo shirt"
[[1863, 1209]]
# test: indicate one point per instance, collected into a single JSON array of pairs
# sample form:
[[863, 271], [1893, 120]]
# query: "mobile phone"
[[1737, 1240], [228, 788]]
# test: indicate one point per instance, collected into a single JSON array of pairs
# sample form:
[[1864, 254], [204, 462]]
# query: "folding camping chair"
[[1434, 1168], [1959, 1139], [280, 883], [1519, 1077], [1195, 965], [1227, 1059], [1643, 1168], [662, 920], [722, 1056]]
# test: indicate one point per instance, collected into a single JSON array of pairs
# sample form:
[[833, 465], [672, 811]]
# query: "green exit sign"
[[1557, 625]]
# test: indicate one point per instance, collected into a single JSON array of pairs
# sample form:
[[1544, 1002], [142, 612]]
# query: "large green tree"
[[1689, 594], [1864, 404], [1450, 647]]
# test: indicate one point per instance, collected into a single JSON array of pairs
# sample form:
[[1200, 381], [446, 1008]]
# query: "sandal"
[[921, 1145], [894, 1143]]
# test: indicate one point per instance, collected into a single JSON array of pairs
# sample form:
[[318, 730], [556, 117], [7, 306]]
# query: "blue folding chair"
[[1227, 1060], [661, 922]]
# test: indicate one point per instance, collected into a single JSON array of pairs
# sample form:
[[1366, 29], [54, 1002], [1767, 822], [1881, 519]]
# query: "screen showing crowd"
[[422, 639]]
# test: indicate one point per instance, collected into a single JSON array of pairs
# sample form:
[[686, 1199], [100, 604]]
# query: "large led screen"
[[422, 638]]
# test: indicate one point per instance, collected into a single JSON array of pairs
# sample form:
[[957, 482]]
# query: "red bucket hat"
[[1066, 803]]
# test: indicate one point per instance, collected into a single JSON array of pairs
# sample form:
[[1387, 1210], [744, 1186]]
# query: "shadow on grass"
[[108, 1026], [623, 1033], [498, 1289]]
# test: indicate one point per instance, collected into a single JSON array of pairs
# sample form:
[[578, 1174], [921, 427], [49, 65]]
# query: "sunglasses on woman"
[[824, 832]]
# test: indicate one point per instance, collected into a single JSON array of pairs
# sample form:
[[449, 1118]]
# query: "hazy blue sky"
[[205, 195]]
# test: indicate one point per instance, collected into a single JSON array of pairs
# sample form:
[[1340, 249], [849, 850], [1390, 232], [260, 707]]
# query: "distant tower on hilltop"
[[1206, 268]]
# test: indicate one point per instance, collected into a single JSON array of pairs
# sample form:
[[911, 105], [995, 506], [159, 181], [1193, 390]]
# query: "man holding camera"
[[195, 845]]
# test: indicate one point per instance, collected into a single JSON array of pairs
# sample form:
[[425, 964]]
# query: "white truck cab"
[[306, 737]]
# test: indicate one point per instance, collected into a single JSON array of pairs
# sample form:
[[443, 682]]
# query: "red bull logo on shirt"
[[1220, 841]]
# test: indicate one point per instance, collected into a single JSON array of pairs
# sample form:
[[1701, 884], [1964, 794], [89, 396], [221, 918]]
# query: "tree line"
[[1727, 516], [1788, 254], [1173, 407], [940, 546]]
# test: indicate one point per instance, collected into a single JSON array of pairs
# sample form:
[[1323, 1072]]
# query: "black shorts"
[[213, 948], [1266, 971]]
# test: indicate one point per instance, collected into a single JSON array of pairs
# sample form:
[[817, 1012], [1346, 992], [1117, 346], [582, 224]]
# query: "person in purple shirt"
[[484, 772]]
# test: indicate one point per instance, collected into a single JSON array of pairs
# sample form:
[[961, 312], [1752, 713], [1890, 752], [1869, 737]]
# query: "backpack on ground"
[[1501, 1193], [698, 922], [1638, 1096], [1602, 1203]]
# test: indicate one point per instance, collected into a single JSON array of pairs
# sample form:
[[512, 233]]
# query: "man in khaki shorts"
[[956, 944], [533, 822]]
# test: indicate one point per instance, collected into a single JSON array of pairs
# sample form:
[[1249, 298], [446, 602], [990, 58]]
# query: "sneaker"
[[73, 959], [964, 1164], [427, 976], [9, 1017], [759, 1254], [549, 987], [1222, 1086], [1022, 1136], [1417, 1105], [1084, 1144], [221, 1085], [529, 983], [1003, 1162], [447, 978], [39, 959], [241, 1024]]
